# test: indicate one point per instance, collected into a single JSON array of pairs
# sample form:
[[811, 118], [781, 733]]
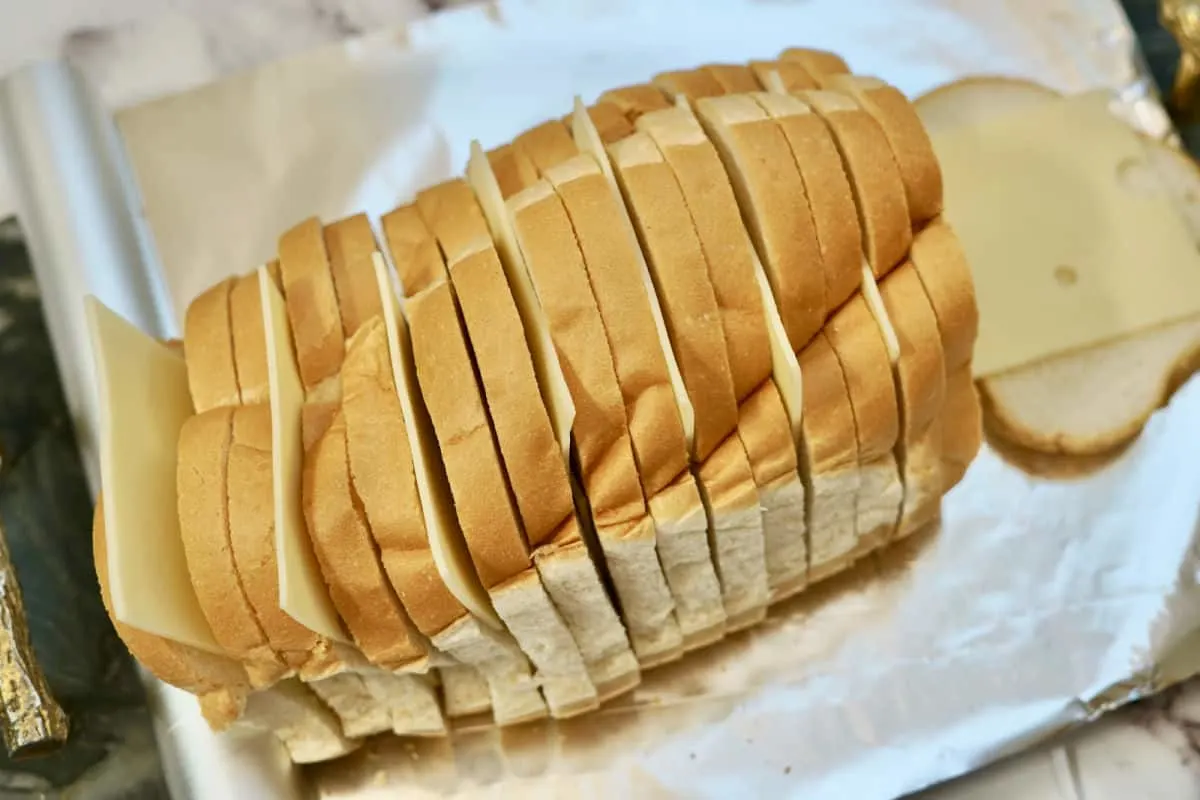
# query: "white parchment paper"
[[1038, 603]]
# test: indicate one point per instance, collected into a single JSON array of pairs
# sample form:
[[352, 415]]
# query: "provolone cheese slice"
[[143, 399], [302, 591], [555, 393], [445, 539]]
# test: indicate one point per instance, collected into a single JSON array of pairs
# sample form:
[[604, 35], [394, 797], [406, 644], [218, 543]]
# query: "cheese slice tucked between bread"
[[536, 472], [601, 435], [656, 402], [475, 638]]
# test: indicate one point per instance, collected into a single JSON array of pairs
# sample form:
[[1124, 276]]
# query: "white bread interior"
[[307, 728], [526, 491]]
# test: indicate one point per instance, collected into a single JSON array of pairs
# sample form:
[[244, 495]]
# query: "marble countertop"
[[134, 50]]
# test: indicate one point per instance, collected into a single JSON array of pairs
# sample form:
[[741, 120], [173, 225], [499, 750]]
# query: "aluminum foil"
[[1039, 602]]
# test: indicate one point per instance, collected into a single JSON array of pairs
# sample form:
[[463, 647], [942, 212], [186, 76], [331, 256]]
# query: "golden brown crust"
[[942, 266], [204, 527], [856, 339], [611, 123], [828, 416], [818, 63], [614, 270], [249, 340], [312, 304], [690, 83], [600, 431], [636, 100], [530, 451], [919, 168], [513, 169], [766, 435], [676, 259], [414, 252], [184, 667], [962, 428], [921, 368], [830, 197], [383, 474], [342, 543], [350, 243], [733, 78], [775, 206], [249, 482], [546, 145], [878, 189], [208, 349], [793, 76], [723, 238], [465, 438]]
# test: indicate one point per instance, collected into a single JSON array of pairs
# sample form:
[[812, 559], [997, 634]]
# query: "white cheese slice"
[[303, 594], [143, 398]]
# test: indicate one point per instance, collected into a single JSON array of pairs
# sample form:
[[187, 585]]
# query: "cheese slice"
[[143, 400], [553, 386], [302, 591]]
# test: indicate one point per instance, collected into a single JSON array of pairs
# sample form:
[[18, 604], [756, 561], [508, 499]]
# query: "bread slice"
[[775, 206], [249, 342], [918, 165], [691, 84], [1084, 415], [734, 78], [414, 253], [312, 305], [219, 681], [636, 100], [546, 145], [290, 710], [463, 625], [819, 64], [342, 543], [537, 473], [855, 337], [204, 525], [656, 402], [481, 497], [829, 459], [350, 243], [878, 188], [788, 76], [830, 198], [920, 371], [938, 260], [207, 349], [514, 171], [609, 474], [610, 122]]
